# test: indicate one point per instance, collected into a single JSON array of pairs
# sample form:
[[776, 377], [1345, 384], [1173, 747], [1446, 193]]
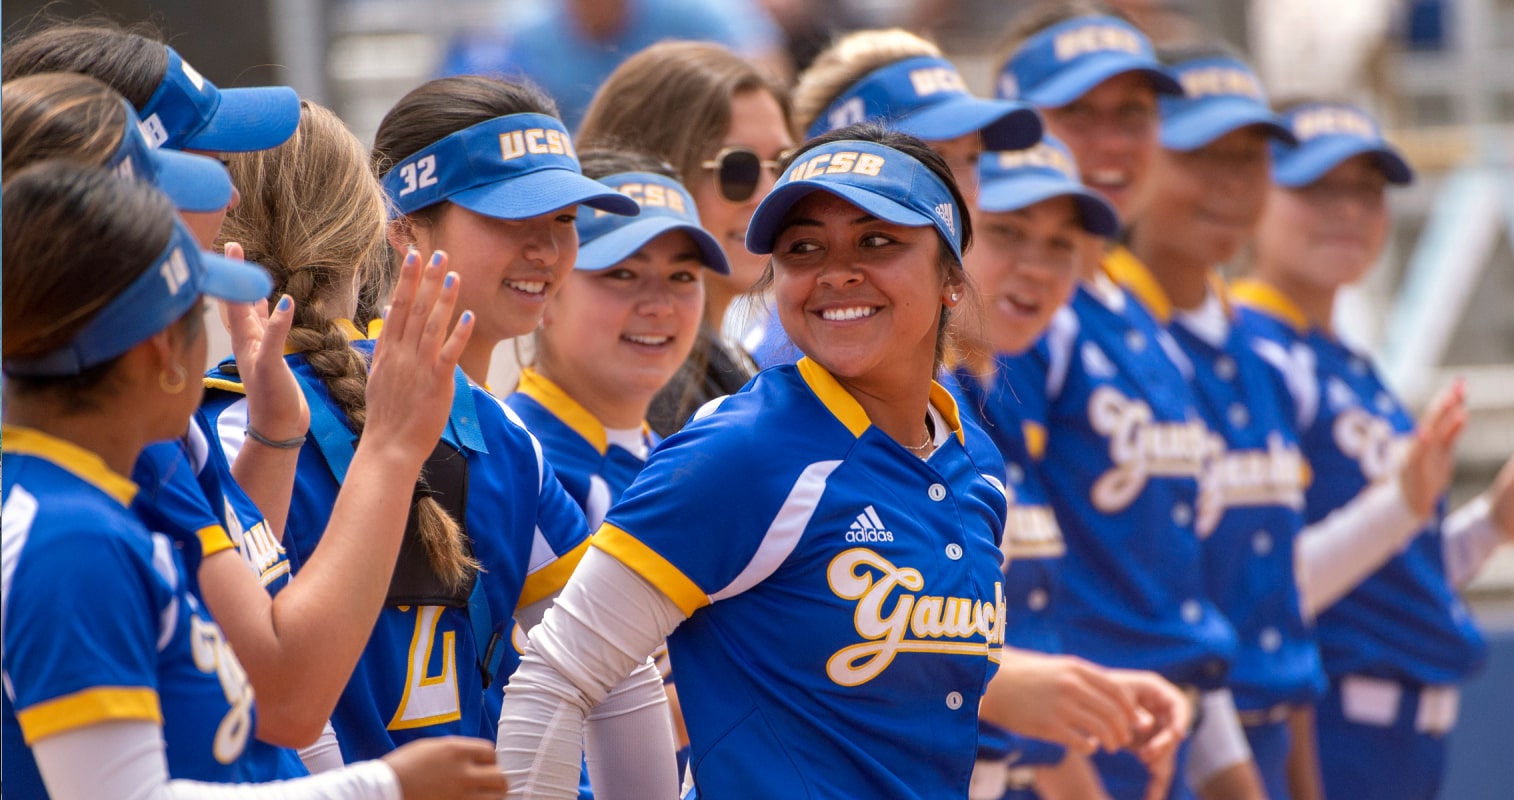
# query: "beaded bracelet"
[[286, 444]]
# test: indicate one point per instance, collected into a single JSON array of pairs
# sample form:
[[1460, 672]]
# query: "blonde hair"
[[847, 61], [315, 216]]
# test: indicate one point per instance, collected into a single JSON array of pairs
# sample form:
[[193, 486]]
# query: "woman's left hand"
[[276, 407], [1166, 714]]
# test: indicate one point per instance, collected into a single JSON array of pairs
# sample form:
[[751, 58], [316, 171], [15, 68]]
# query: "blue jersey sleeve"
[[172, 502]]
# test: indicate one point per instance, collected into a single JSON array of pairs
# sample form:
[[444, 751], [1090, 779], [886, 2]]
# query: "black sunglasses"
[[738, 170]]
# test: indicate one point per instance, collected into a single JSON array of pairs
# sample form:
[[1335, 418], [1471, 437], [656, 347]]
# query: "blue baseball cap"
[[163, 293], [188, 112], [1010, 180], [510, 167], [1066, 61], [1328, 134], [926, 98], [1220, 94], [606, 239], [882, 181], [193, 183]]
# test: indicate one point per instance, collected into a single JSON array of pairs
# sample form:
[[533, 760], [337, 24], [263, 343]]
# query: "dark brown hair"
[[59, 115], [130, 60]]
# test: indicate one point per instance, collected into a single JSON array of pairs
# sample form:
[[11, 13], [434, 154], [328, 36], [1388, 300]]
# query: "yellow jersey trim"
[[836, 399], [543, 390], [235, 387], [88, 707], [82, 463], [947, 405], [1270, 300], [550, 579], [1035, 439], [647, 563], [1125, 269], [214, 539]]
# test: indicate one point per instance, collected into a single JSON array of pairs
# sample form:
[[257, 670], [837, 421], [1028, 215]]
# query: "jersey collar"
[[538, 387], [849, 412], [1125, 269], [70, 457], [1270, 300]]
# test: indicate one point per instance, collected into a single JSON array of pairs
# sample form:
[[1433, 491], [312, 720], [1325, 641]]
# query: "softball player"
[[724, 125], [1396, 645], [849, 502], [157, 704]]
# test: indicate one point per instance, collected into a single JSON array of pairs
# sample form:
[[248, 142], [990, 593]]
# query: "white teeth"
[[844, 314], [1022, 300], [1109, 177], [650, 340], [529, 287]]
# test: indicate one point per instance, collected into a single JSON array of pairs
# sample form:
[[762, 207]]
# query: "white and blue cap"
[[188, 112], [1067, 60], [1220, 94], [606, 239], [1010, 180], [1328, 134], [881, 181], [163, 293], [925, 97], [193, 183], [511, 167]]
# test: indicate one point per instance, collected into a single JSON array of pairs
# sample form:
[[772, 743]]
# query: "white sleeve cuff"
[[1334, 555], [1469, 536]]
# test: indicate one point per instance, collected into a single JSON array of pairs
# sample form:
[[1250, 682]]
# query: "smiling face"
[[1112, 133], [619, 334], [1024, 268], [1327, 234], [860, 296], [508, 268], [1205, 203]]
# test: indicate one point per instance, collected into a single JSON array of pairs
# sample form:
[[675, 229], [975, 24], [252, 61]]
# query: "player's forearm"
[[267, 475], [1469, 537], [1334, 555]]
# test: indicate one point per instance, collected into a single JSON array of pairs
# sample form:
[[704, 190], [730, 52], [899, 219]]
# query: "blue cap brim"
[[1006, 125], [1204, 121], [194, 183], [541, 192], [1093, 69], [237, 281], [1305, 164], [1095, 213], [256, 118], [620, 244], [763, 229]]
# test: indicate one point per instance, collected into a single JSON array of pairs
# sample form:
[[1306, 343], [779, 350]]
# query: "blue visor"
[[511, 167], [194, 183], [162, 294], [1221, 95], [1066, 61], [1014, 179], [879, 180], [188, 112], [606, 239], [1328, 134], [926, 98]]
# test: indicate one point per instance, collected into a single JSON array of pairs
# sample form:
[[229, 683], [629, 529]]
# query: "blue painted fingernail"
[[412, 255], [466, 318], [449, 280], [285, 303], [436, 258]]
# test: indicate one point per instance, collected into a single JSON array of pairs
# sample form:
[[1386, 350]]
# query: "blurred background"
[[1439, 73]]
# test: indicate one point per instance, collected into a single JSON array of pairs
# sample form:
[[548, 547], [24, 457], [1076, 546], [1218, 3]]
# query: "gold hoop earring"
[[181, 380]]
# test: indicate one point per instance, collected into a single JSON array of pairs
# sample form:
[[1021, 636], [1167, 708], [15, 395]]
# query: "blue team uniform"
[[1252, 508], [420, 673], [1403, 635], [100, 624], [1032, 542], [845, 596], [1125, 447]]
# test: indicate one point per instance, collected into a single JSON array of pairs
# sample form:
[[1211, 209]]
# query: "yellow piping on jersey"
[[1035, 439], [548, 580], [84, 464], [1270, 300], [88, 707], [1125, 269], [650, 564], [540, 388], [213, 539], [849, 412]]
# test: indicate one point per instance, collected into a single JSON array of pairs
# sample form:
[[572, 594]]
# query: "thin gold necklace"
[[930, 438]]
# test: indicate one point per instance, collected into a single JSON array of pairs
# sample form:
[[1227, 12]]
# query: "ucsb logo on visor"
[[1336, 120], [837, 164], [1042, 155], [1095, 39], [535, 141]]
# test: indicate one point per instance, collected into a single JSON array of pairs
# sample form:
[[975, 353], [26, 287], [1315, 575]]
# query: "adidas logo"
[[868, 528], [1095, 363], [944, 211]]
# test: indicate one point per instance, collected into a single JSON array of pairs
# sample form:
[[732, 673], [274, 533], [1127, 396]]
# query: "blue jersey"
[[845, 596], [1405, 622], [1125, 447], [100, 624], [419, 675], [1251, 497]]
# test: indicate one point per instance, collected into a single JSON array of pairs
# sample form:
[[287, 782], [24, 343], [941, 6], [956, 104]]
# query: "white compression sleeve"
[[1468, 538], [599, 630], [1335, 554], [125, 760], [325, 755], [1219, 743]]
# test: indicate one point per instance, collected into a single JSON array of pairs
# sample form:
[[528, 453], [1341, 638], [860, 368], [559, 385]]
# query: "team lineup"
[[871, 439]]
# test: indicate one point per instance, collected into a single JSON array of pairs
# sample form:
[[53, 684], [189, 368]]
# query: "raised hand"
[[1427, 468], [410, 383], [447, 767], [276, 407]]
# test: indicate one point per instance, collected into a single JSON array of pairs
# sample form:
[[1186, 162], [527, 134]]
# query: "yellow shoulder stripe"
[[649, 564], [214, 539], [88, 707], [548, 580]]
